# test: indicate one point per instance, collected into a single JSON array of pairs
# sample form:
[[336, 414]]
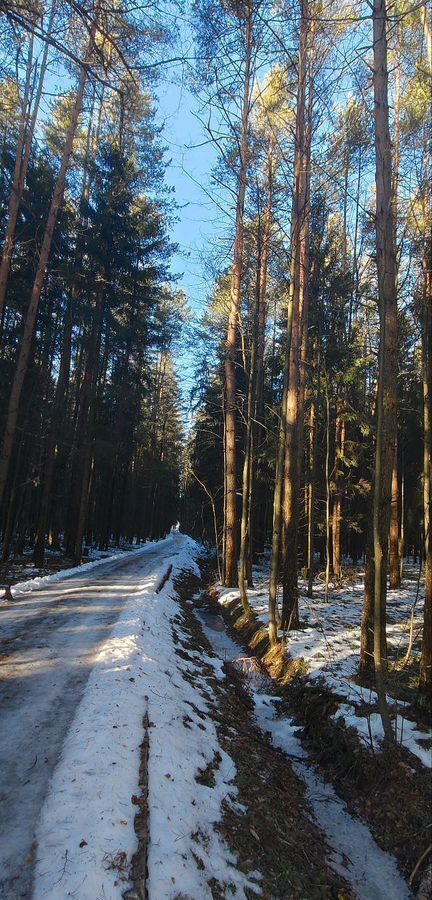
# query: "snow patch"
[[329, 643]]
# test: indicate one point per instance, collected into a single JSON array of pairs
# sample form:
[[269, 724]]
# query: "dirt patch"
[[207, 775], [138, 874]]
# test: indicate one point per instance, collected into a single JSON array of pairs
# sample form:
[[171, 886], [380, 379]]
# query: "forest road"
[[49, 640]]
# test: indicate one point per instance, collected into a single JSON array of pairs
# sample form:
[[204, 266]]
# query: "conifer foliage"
[[88, 390]]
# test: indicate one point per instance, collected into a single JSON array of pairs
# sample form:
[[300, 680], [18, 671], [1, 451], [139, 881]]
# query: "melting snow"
[[329, 643]]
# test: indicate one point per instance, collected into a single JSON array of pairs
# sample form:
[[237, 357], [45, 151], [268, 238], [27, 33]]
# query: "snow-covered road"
[[49, 640]]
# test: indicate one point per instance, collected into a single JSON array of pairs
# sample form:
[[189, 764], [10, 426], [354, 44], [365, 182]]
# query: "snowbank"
[[34, 584]]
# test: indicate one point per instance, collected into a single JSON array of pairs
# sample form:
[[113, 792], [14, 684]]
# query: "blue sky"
[[190, 165], [199, 222]]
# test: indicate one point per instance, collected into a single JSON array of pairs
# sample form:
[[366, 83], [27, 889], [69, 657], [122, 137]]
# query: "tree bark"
[[388, 349], [85, 440], [313, 432], [51, 439], [426, 656], [300, 286], [340, 432], [394, 561], [258, 487], [230, 544]]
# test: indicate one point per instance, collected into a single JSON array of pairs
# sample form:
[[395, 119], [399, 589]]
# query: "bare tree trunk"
[[314, 415], [402, 524], [340, 431], [231, 549], [85, 440], [51, 440], [328, 517], [300, 274], [426, 657], [388, 350], [30, 109], [279, 482], [246, 483], [258, 489], [394, 561], [287, 468], [30, 322], [290, 507]]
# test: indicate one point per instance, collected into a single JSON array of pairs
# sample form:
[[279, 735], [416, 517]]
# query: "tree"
[[388, 355]]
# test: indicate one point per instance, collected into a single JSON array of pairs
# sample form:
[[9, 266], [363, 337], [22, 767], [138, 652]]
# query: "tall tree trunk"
[[283, 494], [327, 479], [85, 440], [313, 429], [340, 432], [394, 561], [388, 350], [231, 548], [279, 481], [296, 380], [247, 474], [30, 109], [426, 657], [30, 322], [52, 436], [258, 487]]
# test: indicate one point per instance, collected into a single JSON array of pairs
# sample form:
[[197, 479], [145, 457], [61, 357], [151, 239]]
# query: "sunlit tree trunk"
[[388, 352], [340, 432], [230, 537], [258, 489], [328, 496], [296, 380], [426, 657], [247, 472], [394, 560]]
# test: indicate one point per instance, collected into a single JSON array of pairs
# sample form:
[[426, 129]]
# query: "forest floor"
[[143, 755], [327, 648], [336, 717]]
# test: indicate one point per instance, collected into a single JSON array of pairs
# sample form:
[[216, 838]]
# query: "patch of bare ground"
[[389, 790], [270, 827], [138, 873]]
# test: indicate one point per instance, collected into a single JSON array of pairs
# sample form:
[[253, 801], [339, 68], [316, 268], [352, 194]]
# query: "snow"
[[329, 643], [99, 558], [89, 802], [372, 873]]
